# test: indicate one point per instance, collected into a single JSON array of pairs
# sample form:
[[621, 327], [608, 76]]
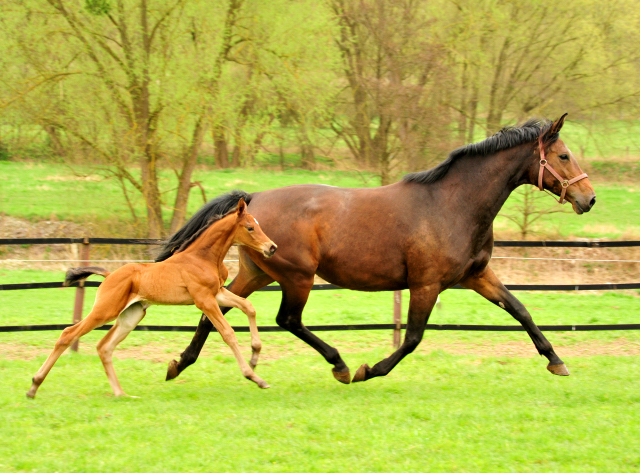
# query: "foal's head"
[[249, 233], [580, 192]]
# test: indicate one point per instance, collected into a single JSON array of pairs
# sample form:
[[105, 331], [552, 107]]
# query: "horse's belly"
[[362, 277]]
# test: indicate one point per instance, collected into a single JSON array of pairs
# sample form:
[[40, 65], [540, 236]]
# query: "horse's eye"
[[564, 157], [250, 229]]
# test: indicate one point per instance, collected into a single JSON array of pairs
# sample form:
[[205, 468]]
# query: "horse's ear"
[[557, 125], [242, 208]]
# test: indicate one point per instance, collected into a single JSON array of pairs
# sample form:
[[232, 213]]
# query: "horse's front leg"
[[227, 298], [489, 286], [421, 304], [207, 304]]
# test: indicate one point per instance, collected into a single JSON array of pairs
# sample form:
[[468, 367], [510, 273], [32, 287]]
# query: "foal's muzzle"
[[270, 250]]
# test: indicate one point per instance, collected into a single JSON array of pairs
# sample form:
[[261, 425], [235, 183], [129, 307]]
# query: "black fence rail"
[[396, 326], [147, 241]]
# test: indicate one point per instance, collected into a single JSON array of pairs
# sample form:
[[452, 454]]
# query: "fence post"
[[79, 302], [397, 318]]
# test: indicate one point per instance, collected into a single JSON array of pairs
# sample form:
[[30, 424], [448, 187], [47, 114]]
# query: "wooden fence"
[[396, 326]]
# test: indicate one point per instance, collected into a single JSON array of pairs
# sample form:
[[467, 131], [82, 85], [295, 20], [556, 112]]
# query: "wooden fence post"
[[79, 302], [397, 318]]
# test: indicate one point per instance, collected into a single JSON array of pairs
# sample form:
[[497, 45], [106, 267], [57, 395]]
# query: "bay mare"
[[428, 232], [194, 274]]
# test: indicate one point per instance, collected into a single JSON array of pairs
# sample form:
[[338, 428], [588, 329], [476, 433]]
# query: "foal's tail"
[[77, 274]]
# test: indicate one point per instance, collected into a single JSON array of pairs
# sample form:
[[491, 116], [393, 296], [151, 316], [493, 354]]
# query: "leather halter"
[[565, 183]]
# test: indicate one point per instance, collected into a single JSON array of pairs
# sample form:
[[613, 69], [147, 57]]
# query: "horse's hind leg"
[[420, 306], [489, 286], [125, 323], [227, 298], [69, 335]]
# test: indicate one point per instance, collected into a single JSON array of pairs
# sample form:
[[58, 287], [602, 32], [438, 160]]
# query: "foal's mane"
[[197, 234], [508, 137], [208, 214]]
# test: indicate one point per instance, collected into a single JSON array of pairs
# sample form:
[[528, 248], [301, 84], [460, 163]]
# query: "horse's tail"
[[77, 274], [216, 207]]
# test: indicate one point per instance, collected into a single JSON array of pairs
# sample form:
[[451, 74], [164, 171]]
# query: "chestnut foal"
[[195, 274]]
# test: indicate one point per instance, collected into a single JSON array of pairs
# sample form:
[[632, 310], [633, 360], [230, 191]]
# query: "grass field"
[[36, 192], [464, 401]]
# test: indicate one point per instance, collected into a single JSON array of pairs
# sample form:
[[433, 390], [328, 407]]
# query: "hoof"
[[31, 395], [263, 385], [560, 370], [361, 374], [344, 377], [172, 371]]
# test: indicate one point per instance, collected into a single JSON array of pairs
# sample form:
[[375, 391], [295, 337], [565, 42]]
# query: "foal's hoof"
[[31, 395], [560, 370], [344, 377], [263, 384], [172, 370], [361, 374]]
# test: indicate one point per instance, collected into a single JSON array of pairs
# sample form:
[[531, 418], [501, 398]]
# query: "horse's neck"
[[483, 184], [216, 240]]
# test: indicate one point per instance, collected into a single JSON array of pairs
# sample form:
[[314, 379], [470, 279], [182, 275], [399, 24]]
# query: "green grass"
[[615, 215], [435, 412], [36, 192], [610, 138]]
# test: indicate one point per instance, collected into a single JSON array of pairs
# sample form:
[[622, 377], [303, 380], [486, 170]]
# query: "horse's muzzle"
[[270, 251], [583, 205]]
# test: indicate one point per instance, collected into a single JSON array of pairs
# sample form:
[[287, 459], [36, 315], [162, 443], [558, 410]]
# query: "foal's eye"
[[250, 229], [564, 157]]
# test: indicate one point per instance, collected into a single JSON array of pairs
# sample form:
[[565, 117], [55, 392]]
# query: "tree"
[[390, 67]]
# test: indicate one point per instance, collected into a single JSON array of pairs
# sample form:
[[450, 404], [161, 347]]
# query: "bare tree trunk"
[[184, 179], [221, 149]]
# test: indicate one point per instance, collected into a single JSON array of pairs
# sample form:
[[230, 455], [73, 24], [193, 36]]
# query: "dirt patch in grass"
[[163, 353]]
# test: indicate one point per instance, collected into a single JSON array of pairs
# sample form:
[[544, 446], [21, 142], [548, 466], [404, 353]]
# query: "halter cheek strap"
[[545, 165]]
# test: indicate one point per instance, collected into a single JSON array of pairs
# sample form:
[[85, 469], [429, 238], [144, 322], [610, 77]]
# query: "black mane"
[[508, 137], [208, 214]]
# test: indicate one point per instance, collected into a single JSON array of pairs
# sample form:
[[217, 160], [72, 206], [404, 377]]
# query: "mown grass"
[[435, 412], [36, 192]]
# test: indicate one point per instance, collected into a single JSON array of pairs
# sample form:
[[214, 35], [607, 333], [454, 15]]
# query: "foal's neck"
[[215, 242]]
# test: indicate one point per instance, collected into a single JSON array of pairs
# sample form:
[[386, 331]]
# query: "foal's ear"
[[242, 208], [557, 125]]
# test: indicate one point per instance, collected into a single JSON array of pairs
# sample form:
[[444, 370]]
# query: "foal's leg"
[[421, 304], [489, 286], [227, 298], [125, 323], [99, 315], [250, 278], [294, 298], [207, 304]]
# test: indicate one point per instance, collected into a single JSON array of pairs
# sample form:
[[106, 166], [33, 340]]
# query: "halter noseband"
[[565, 183]]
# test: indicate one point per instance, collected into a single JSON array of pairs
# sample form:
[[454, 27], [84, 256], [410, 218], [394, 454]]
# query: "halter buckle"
[[565, 183], [543, 162]]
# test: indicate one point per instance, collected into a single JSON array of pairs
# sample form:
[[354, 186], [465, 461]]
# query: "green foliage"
[[98, 7]]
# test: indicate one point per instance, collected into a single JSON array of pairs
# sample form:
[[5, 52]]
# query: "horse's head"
[[249, 233], [560, 173]]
